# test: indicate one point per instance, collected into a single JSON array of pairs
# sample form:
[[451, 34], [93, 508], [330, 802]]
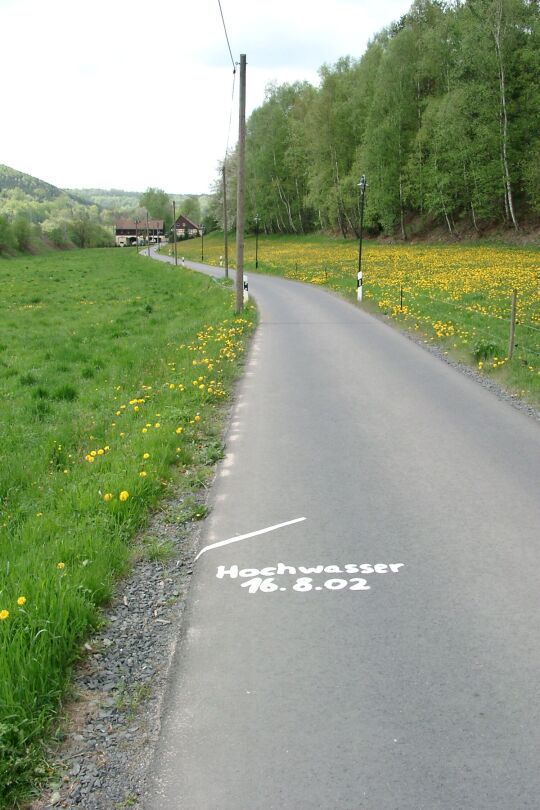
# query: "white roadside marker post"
[[246, 289], [362, 187]]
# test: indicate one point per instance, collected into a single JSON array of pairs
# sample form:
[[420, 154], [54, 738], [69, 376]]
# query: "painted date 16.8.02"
[[263, 580], [304, 584]]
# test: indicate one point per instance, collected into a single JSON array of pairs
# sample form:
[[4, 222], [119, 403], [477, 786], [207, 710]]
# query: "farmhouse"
[[138, 231], [185, 228]]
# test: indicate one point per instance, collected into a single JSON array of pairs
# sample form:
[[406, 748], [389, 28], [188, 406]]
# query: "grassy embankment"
[[113, 374], [456, 296]]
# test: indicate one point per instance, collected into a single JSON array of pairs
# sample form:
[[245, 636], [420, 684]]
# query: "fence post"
[[512, 325], [401, 297]]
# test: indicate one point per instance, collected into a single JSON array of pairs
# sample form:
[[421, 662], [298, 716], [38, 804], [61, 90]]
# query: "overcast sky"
[[130, 94]]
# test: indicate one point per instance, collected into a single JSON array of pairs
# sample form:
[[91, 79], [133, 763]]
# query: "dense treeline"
[[441, 113], [22, 233]]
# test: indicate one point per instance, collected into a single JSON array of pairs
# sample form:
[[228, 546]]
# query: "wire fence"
[[514, 323]]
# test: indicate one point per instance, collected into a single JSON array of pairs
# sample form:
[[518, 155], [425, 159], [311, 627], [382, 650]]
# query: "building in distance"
[[138, 232], [185, 228]]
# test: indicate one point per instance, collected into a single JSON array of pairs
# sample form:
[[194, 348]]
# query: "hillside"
[[39, 190]]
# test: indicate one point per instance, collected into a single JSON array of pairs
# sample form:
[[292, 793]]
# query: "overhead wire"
[[227, 36], [234, 79], [231, 113]]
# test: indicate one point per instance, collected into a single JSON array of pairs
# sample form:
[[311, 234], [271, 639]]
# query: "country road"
[[382, 651]]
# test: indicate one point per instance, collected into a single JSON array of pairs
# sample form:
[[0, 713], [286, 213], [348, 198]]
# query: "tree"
[[276, 159], [190, 207], [158, 204]]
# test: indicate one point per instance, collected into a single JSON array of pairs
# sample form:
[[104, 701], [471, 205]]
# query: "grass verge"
[[113, 374]]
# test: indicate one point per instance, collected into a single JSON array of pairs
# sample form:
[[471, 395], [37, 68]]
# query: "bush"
[[486, 349], [7, 240], [21, 233]]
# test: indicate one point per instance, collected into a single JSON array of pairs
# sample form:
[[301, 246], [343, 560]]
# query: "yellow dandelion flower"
[[146, 455], [179, 430], [124, 495], [142, 474], [107, 497], [4, 614], [60, 565], [21, 601]]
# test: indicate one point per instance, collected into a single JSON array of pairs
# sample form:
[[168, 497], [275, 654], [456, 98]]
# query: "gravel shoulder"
[[112, 721], [481, 379]]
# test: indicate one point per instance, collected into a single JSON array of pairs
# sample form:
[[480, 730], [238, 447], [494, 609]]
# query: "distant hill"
[[117, 200], [114, 199], [37, 189]]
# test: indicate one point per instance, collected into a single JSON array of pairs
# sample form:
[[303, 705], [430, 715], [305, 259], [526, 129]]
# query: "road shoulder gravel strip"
[[112, 723]]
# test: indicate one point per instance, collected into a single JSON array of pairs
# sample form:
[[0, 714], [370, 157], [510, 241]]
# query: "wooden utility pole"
[[225, 224], [174, 232], [240, 196]]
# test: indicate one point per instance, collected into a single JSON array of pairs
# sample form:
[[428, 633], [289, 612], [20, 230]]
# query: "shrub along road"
[[383, 652]]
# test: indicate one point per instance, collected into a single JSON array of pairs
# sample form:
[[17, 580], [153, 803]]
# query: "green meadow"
[[455, 296], [114, 371]]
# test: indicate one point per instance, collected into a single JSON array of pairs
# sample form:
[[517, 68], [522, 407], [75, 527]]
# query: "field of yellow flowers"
[[458, 296], [113, 371]]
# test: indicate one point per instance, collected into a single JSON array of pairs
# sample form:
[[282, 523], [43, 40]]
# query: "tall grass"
[[113, 371], [456, 296]]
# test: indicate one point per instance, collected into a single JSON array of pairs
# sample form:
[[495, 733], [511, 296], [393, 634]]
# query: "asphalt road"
[[402, 672]]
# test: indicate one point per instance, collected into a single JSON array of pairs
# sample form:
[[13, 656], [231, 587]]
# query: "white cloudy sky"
[[130, 94]]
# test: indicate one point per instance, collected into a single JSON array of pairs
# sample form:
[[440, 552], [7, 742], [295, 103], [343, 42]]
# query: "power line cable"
[[227, 36], [231, 113]]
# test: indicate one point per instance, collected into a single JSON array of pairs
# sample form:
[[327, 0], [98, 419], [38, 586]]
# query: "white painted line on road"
[[246, 536]]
